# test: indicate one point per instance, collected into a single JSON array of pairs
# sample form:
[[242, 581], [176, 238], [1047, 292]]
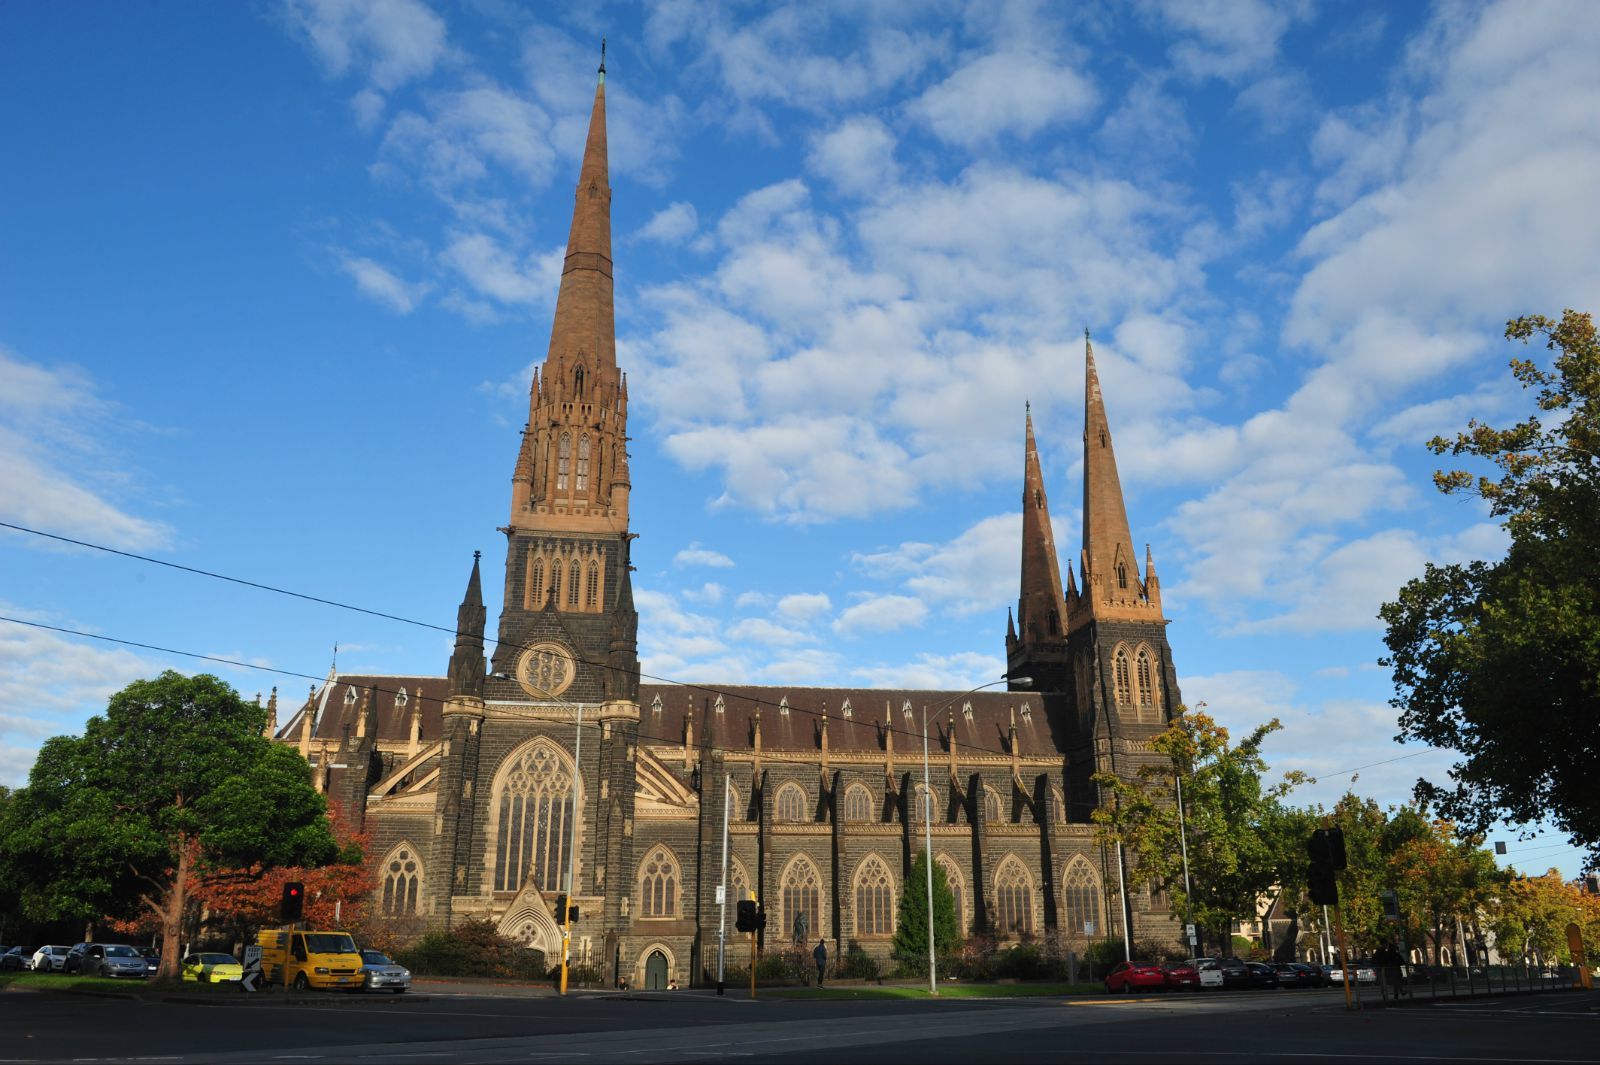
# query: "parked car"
[[1210, 971], [74, 960], [1182, 976], [382, 974], [1235, 974], [1288, 975], [51, 959], [1262, 975], [113, 960], [1310, 975], [211, 969], [1362, 970], [1128, 975], [152, 960], [17, 959]]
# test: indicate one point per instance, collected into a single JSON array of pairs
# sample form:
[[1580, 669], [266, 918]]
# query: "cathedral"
[[484, 789]]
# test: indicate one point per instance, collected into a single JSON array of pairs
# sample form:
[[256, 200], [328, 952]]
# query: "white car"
[[1210, 973], [382, 974], [51, 959]]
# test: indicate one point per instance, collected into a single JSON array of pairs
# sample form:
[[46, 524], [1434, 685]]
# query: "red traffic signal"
[[292, 905]]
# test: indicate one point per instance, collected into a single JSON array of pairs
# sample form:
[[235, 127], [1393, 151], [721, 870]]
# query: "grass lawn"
[[952, 990], [64, 982]]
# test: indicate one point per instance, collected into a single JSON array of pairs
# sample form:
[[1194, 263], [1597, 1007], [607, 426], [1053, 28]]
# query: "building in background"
[[466, 781]]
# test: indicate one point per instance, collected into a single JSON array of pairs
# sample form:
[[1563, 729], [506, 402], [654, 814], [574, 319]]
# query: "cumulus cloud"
[[673, 224], [378, 283], [493, 270], [880, 613], [55, 472], [857, 155], [804, 606], [391, 41], [695, 555], [1016, 92]]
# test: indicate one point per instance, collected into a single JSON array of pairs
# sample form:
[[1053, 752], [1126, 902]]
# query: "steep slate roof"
[[985, 731]]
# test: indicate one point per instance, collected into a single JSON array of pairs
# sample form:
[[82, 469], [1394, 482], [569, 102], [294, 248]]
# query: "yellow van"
[[304, 960]]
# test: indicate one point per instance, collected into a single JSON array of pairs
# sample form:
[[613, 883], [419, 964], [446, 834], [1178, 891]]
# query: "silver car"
[[52, 959], [113, 959], [383, 974]]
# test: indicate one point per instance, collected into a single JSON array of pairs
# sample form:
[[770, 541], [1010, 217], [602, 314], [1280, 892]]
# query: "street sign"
[[252, 968], [1189, 930], [722, 894]]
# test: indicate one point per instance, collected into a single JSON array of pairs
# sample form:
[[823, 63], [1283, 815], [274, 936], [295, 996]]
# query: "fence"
[[1430, 982]]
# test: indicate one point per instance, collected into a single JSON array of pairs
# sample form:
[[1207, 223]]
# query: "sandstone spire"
[[1039, 603]]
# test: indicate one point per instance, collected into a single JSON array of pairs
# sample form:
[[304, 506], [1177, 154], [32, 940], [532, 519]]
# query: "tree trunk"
[[172, 914]]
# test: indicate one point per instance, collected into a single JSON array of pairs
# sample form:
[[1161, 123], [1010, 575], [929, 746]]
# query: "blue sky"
[[274, 276]]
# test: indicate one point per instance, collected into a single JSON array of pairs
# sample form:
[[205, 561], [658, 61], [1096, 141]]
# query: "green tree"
[[1477, 648], [1439, 877], [911, 924], [1531, 916], [175, 780], [1236, 826]]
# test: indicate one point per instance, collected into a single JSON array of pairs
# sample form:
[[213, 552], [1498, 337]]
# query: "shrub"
[[472, 948], [858, 964]]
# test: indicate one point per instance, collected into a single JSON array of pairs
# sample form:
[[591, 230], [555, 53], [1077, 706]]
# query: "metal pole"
[[1327, 937], [1344, 957], [1183, 841], [572, 853], [927, 831], [722, 917], [1122, 887]]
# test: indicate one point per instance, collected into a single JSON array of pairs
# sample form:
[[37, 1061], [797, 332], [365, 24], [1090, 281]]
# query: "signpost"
[[252, 968]]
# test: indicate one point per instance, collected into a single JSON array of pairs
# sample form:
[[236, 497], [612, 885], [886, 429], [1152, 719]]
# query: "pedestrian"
[[1393, 976], [821, 954]]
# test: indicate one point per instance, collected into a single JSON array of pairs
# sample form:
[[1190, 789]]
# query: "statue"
[[802, 928]]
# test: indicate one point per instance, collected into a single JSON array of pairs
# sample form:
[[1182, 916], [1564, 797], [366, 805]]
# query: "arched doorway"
[[655, 971]]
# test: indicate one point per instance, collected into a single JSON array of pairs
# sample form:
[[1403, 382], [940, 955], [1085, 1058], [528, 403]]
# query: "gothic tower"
[[1036, 640]]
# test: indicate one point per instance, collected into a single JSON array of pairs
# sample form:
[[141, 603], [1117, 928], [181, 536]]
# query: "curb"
[[259, 1001]]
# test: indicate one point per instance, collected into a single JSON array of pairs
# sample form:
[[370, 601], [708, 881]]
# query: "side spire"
[[1039, 602], [466, 664], [1111, 580]]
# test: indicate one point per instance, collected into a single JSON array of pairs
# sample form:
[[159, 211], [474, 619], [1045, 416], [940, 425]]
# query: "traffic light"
[[761, 920], [745, 916], [293, 903], [1326, 847], [1323, 884], [563, 911]]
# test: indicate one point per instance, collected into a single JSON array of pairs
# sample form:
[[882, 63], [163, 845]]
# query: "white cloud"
[[1227, 39], [857, 155], [55, 474], [975, 571], [463, 132], [673, 224], [709, 593], [953, 672], [762, 631], [394, 41], [804, 606], [695, 555], [494, 271], [881, 613], [379, 284], [1014, 92]]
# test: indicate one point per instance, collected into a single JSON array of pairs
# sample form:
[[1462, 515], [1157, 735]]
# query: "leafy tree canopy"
[[1501, 661], [175, 780]]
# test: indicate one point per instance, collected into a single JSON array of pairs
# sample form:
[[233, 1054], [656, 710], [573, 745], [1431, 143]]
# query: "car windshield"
[[59, 950], [330, 943], [121, 952], [373, 957], [216, 959]]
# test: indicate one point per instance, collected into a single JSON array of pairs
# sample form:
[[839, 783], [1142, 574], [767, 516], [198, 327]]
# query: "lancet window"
[[1080, 891], [802, 897], [858, 803], [1123, 677], [533, 818], [591, 588], [402, 881], [659, 878], [874, 898], [1013, 899], [958, 885], [583, 463], [574, 579], [536, 583], [1145, 672], [791, 803], [563, 461]]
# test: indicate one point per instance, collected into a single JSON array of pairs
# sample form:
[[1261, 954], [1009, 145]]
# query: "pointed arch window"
[[577, 387], [536, 583], [801, 895], [659, 878], [958, 888], [591, 588], [1080, 892], [858, 803], [922, 805], [563, 461], [583, 458], [574, 579], [1122, 575], [791, 803], [533, 818], [1145, 672], [738, 880], [874, 897], [992, 806], [402, 881], [1123, 677], [1013, 899]]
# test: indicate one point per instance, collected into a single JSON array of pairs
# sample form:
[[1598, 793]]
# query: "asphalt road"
[[685, 1027]]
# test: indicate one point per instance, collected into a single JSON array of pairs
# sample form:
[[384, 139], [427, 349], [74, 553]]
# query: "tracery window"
[[1146, 674], [791, 803], [536, 583], [402, 881], [857, 803], [591, 588], [802, 895], [957, 884], [574, 578], [583, 463], [658, 884], [533, 815], [738, 881], [992, 806], [1059, 801], [921, 806], [874, 898], [1123, 680], [1080, 891], [563, 461], [1013, 898]]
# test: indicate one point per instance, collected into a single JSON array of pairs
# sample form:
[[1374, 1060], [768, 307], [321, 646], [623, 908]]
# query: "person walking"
[[821, 955]]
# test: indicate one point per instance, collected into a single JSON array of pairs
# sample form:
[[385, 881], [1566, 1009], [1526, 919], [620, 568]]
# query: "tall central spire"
[[573, 463]]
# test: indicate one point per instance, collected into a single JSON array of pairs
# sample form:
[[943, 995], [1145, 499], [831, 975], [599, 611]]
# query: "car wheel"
[[398, 990], [301, 983]]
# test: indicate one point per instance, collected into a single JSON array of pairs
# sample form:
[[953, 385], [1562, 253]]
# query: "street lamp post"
[[927, 818]]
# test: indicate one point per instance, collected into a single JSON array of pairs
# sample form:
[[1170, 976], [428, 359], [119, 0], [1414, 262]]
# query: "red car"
[[1181, 976], [1143, 975]]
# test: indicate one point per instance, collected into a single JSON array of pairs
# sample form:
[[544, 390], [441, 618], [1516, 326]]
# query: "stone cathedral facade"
[[466, 781]]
